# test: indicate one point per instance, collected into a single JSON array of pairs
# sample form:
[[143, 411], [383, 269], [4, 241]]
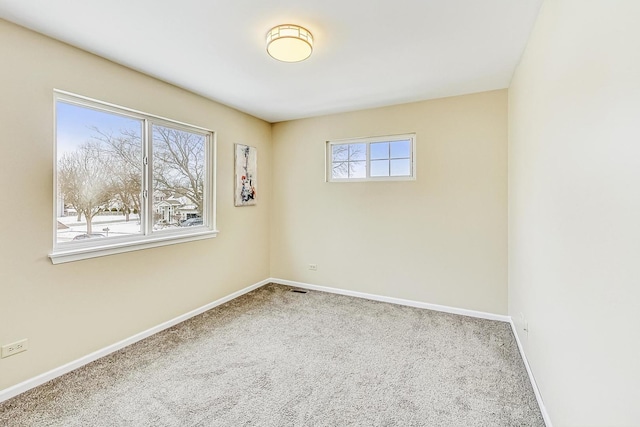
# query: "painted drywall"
[[69, 310], [574, 210], [439, 239]]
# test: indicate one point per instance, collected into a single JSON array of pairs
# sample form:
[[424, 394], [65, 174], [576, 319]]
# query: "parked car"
[[87, 236], [191, 222]]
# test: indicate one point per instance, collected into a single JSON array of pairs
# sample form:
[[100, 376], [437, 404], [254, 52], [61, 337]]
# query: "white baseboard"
[[54, 373], [399, 301], [543, 409]]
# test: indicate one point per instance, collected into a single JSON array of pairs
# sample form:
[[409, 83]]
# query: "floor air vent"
[[298, 291]]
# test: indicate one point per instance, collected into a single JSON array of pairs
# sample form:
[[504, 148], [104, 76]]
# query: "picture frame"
[[246, 175]]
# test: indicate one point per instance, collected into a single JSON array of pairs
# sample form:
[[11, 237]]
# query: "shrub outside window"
[[386, 158], [126, 180]]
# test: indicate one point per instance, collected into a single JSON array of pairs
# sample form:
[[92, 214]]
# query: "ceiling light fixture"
[[289, 43]]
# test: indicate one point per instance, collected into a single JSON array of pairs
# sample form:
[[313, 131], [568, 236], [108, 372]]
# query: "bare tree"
[[69, 183], [343, 165], [179, 163], [125, 164], [83, 178], [109, 169]]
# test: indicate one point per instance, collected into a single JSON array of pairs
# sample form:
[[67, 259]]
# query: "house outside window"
[[126, 180]]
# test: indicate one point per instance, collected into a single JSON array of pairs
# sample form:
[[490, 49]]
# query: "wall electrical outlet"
[[313, 267], [15, 348]]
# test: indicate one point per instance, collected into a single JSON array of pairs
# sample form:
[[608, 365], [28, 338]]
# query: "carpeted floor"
[[280, 358]]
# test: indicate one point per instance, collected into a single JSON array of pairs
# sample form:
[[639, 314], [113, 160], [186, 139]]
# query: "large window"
[[371, 159], [126, 180]]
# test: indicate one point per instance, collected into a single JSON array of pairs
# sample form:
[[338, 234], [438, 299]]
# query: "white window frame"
[[368, 141], [74, 251]]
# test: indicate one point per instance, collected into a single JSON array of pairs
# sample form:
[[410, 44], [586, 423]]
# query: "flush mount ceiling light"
[[289, 43]]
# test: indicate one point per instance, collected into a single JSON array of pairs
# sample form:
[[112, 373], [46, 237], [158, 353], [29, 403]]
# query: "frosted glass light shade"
[[289, 43]]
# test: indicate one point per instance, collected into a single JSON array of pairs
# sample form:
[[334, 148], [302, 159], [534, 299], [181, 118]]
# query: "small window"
[[370, 159], [127, 180]]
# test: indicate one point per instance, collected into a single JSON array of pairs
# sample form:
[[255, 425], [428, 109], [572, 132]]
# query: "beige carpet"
[[279, 358]]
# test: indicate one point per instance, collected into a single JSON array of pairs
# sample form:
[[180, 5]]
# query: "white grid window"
[[384, 158]]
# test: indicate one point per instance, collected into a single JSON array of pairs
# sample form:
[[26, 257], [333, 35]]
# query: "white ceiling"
[[366, 53]]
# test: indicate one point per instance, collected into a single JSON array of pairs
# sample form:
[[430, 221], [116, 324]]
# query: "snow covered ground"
[[116, 225]]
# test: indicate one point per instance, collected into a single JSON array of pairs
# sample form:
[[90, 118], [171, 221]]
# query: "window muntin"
[[377, 158], [116, 168]]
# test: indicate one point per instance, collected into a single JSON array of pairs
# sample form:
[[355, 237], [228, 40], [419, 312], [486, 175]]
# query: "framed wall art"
[[246, 175]]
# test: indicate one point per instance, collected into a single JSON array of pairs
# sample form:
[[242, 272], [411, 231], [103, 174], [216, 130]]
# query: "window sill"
[[375, 179], [77, 254]]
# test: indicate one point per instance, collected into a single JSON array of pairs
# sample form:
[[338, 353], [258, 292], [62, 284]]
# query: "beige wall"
[[574, 209], [69, 310], [440, 239]]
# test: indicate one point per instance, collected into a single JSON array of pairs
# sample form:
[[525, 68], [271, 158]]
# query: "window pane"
[[357, 170], [340, 152], [357, 152], [340, 170], [379, 150], [380, 168], [99, 172], [178, 177], [401, 167], [400, 149]]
